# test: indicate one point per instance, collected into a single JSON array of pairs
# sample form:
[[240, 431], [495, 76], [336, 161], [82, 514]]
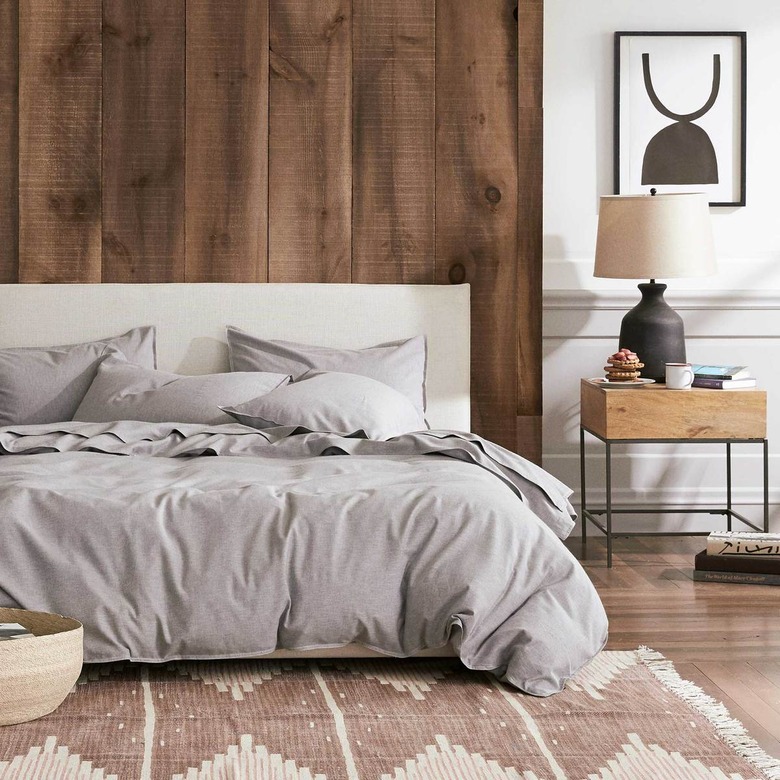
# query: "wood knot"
[[493, 194], [333, 26], [284, 69], [113, 245], [457, 273], [219, 240]]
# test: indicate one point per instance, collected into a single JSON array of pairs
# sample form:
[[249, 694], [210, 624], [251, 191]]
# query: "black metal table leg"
[[766, 486], [728, 485], [583, 501], [609, 504]]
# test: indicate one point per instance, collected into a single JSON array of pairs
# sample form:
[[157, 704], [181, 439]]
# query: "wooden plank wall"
[[371, 141]]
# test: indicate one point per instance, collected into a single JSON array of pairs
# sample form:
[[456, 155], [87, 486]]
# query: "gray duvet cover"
[[294, 540]]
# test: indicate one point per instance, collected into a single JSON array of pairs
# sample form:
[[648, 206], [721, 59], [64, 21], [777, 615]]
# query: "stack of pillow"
[[377, 392]]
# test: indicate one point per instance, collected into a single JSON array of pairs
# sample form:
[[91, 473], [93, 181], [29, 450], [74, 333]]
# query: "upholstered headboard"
[[191, 320]]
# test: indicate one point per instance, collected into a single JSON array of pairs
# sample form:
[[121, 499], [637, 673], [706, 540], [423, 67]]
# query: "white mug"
[[679, 376]]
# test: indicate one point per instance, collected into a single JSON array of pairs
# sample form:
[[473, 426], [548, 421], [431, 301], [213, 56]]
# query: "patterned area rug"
[[627, 716]]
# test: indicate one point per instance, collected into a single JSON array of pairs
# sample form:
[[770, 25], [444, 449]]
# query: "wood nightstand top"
[[653, 412]]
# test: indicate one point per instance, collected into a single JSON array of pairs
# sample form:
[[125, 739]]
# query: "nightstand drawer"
[[653, 412]]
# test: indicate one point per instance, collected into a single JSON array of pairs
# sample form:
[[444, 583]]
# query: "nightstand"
[[654, 415]]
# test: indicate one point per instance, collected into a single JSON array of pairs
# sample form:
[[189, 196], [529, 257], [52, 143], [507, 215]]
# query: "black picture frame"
[[724, 158]]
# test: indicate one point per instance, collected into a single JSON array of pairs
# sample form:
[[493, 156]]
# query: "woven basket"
[[37, 673]]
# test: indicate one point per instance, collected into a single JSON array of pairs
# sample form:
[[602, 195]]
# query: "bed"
[[173, 540]]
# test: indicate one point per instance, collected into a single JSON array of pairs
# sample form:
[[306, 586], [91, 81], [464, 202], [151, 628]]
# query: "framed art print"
[[680, 121]]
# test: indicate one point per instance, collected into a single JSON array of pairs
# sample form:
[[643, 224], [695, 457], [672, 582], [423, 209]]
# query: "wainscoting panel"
[[287, 141], [580, 331]]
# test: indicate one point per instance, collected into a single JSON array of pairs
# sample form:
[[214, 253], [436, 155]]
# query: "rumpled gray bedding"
[[294, 540]]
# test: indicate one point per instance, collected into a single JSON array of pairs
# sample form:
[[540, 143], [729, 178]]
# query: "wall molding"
[[684, 300]]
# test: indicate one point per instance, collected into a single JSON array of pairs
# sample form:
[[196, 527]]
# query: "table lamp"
[[650, 237]]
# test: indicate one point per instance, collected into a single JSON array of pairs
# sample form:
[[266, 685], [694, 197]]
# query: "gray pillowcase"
[[334, 402], [47, 384], [398, 364], [124, 391]]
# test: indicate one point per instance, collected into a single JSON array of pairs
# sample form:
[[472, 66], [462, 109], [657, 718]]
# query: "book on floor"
[[13, 631], [743, 544], [724, 384], [720, 372], [736, 577], [743, 564]]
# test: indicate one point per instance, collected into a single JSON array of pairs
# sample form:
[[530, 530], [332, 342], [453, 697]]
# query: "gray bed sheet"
[[297, 540]]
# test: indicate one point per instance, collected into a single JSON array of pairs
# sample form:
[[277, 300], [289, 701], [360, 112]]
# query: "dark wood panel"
[[476, 194], [393, 155], [9, 134], [530, 197], [143, 141], [59, 140], [226, 149], [310, 146]]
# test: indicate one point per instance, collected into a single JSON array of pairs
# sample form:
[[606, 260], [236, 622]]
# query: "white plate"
[[600, 380]]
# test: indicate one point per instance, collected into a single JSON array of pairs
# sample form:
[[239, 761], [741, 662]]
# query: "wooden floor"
[[725, 638]]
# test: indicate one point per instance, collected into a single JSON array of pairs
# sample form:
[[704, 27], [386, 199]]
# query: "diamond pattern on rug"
[[238, 677], [638, 761], [50, 761], [101, 721], [454, 761], [600, 672], [416, 681], [369, 720], [95, 671], [247, 761]]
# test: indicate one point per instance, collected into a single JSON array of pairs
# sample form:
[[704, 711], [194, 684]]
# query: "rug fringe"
[[730, 730]]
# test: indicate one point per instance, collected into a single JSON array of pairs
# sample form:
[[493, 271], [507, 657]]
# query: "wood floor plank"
[[743, 674], [730, 677], [769, 669], [767, 740]]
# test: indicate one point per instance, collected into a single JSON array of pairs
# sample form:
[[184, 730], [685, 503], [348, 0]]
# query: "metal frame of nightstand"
[[609, 510]]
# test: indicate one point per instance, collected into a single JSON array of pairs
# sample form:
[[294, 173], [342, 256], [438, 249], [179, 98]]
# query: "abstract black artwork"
[[696, 80]]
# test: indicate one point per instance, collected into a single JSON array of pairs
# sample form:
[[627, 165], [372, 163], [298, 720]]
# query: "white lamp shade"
[[654, 237]]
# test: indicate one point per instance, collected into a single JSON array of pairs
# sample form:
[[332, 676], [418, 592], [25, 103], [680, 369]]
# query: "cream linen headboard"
[[191, 320]]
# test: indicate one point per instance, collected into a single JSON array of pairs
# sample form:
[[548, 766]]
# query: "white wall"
[[731, 317]]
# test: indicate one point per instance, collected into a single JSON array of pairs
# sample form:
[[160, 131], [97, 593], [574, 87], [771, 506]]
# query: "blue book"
[[720, 372]]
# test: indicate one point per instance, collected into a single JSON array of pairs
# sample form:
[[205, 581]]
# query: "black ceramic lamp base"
[[654, 331]]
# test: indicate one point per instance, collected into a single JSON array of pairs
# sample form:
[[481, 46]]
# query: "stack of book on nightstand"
[[743, 558], [722, 377]]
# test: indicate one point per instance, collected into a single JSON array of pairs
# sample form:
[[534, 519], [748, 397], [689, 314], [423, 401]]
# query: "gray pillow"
[[46, 384], [334, 402], [124, 391], [399, 364]]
